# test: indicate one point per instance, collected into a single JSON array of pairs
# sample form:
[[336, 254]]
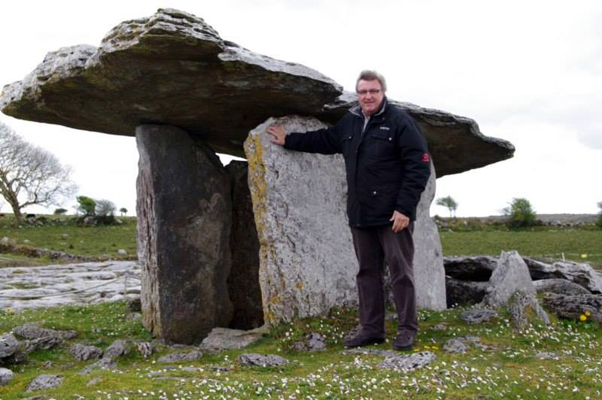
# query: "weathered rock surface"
[[478, 316], [8, 345], [269, 360], [195, 80], [429, 274], [179, 357], [299, 201], [559, 286], [408, 363], [224, 339], [6, 375], [82, 352], [464, 293], [33, 331], [581, 274], [547, 355], [524, 309], [455, 346], [44, 382], [145, 349], [313, 342], [243, 283], [118, 348], [510, 276], [574, 306], [43, 343], [184, 217]]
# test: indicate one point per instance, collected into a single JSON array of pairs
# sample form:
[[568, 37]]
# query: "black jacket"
[[387, 166]]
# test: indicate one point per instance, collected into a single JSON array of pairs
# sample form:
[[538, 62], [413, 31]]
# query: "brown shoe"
[[362, 339], [404, 340]]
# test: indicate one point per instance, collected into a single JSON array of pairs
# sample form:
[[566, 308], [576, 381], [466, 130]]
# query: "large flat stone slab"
[[184, 216], [173, 68]]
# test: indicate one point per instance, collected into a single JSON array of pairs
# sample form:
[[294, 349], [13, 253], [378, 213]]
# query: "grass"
[[62, 234], [508, 370]]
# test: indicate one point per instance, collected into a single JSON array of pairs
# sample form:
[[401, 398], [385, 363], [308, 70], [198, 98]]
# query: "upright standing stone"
[[243, 282], [510, 276], [184, 217], [429, 272], [299, 200]]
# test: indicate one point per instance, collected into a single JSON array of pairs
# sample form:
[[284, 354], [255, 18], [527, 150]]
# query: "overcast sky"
[[527, 71]]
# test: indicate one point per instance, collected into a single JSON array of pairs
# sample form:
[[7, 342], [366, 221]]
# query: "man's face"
[[370, 96]]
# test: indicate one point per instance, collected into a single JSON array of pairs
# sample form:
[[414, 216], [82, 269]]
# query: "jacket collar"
[[357, 110]]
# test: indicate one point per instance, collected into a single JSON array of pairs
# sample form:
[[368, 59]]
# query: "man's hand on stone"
[[278, 134], [400, 221]]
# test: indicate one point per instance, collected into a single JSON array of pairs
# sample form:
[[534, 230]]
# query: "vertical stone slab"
[[307, 263], [429, 272], [243, 283], [184, 217]]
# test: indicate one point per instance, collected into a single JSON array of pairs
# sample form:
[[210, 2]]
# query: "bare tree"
[[30, 175]]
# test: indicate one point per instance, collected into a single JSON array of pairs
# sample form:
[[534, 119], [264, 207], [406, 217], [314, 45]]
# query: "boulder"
[[6, 375], [581, 274], [478, 316], [179, 357], [524, 309], [8, 345], [44, 382], [464, 293], [184, 216], [312, 342], [307, 260], [117, 349], [268, 360], [559, 286], [243, 283], [455, 346], [43, 343], [220, 339], [206, 85], [574, 306], [145, 349], [33, 331], [510, 276], [82, 352]]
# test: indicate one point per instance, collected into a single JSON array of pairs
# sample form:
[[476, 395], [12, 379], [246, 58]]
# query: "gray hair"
[[369, 75]]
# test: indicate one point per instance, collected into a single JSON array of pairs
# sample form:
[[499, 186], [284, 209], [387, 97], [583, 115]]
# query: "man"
[[387, 166]]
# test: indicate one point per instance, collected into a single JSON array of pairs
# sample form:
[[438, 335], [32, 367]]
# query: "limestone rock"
[[478, 316], [118, 348], [559, 286], [243, 283], [184, 216], [581, 274], [408, 363], [475, 268], [224, 339], [33, 331], [6, 375], [44, 382], [313, 342], [179, 357], [510, 276], [145, 349], [429, 274], [43, 343], [299, 201], [524, 309], [82, 352], [455, 346], [547, 355], [464, 293], [269, 360], [8, 345], [574, 306]]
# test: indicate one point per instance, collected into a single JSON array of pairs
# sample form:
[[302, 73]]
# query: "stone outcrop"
[[268, 360], [575, 306], [524, 309], [581, 274], [299, 201], [8, 345], [243, 282], [184, 217], [173, 68], [559, 286], [226, 339], [510, 276]]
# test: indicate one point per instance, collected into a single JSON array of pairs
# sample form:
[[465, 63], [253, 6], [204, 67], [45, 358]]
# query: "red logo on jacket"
[[425, 157]]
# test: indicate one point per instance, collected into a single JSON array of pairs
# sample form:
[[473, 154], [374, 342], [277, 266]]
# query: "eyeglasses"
[[371, 91]]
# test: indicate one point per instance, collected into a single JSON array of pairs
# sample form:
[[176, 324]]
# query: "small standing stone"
[[144, 348], [8, 345]]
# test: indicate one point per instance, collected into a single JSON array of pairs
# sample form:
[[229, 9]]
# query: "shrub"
[[60, 211], [86, 205], [520, 213], [105, 208]]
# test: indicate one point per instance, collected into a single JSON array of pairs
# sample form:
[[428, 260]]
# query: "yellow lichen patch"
[[299, 285]]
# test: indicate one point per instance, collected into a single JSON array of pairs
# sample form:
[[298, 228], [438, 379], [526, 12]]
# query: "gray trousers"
[[375, 247]]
